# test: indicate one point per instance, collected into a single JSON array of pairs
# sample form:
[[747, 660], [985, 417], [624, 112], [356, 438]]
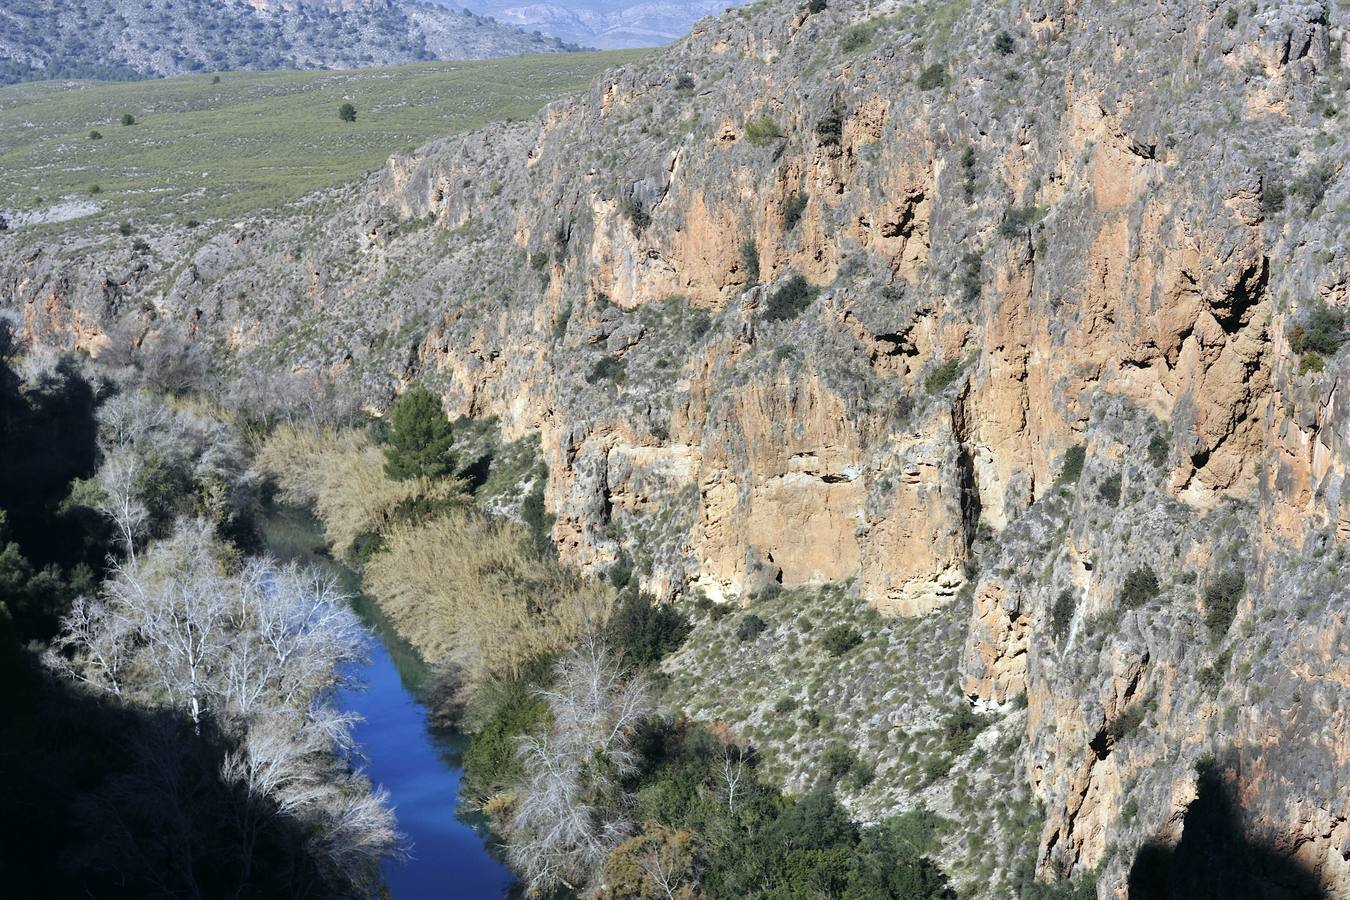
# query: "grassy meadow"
[[205, 150]]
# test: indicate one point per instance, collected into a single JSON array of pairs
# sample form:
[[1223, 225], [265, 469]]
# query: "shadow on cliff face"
[[1216, 859]]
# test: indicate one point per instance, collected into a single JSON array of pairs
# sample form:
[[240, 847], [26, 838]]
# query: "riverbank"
[[418, 762]]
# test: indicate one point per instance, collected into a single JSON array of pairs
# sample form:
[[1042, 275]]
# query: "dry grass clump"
[[340, 475], [476, 591]]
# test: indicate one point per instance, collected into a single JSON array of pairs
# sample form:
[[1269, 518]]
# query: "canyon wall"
[[834, 298]]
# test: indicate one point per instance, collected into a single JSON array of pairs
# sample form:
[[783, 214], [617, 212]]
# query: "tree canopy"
[[419, 438]]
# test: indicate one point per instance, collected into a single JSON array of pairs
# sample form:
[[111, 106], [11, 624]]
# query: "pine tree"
[[419, 438]]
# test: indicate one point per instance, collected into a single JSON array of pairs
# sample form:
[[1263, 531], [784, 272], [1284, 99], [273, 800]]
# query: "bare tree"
[[119, 477], [731, 771], [94, 646], [166, 359], [177, 601], [260, 650], [565, 825], [597, 703], [145, 440], [668, 861]]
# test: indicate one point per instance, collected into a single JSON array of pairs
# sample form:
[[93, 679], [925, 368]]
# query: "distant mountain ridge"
[[606, 24], [129, 39]]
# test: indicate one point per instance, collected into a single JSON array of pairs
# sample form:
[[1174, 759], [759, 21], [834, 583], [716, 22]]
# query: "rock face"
[[959, 307], [129, 39]]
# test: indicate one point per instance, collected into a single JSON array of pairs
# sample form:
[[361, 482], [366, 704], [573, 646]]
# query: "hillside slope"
[[1026, 327], [128, 39], [607, 24], [202, 148]]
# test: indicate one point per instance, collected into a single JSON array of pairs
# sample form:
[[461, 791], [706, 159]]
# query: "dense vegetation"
[[650, 806], [167, 728], [590, 784]]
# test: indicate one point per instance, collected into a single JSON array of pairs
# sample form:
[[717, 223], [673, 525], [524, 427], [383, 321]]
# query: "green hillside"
[[204, 150]]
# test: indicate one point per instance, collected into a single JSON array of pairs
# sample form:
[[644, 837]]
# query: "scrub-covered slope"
[[128, 39]]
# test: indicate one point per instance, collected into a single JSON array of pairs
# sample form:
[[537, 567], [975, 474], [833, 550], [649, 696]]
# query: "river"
[[418, 763]]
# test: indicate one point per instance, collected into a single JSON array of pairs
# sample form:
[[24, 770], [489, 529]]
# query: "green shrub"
[[1230, 18], [941, 377], [793, 208], [960, 729], [1311, 363], [968, 173], [855, 37], [750, 260], [684, 83], [633, 210], [1312, 185], [1321, 332], [128, 119], [347, 112], [1061, 614], [419, 438], [1158, 450], [491, 761], [1074, 458], [539, 261], [815, 6], [1017, 220], [935, 76], [125, 229], [609, 368], [1085, 888], [785, 704], [1211, 676], [1221, 597], [840, 639], [1109, 490], [861, 774], [936, 766], [95, 189], [790, 300], [971, 276], [560, 323], [1140, 586], [1273, 195], [837, 761], [750, 627], [95, 135], [762, 132], [1004, 44], [646, 631], [1126, 723], [830, 129]]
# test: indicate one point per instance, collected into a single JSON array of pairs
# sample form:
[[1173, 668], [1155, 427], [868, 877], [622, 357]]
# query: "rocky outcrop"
[[885, 298]]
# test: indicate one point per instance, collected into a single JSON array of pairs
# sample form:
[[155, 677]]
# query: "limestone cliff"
[[840, 298]]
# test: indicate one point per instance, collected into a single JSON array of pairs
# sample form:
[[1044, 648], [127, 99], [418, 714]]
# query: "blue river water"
[[420, 767], [418, 763]]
